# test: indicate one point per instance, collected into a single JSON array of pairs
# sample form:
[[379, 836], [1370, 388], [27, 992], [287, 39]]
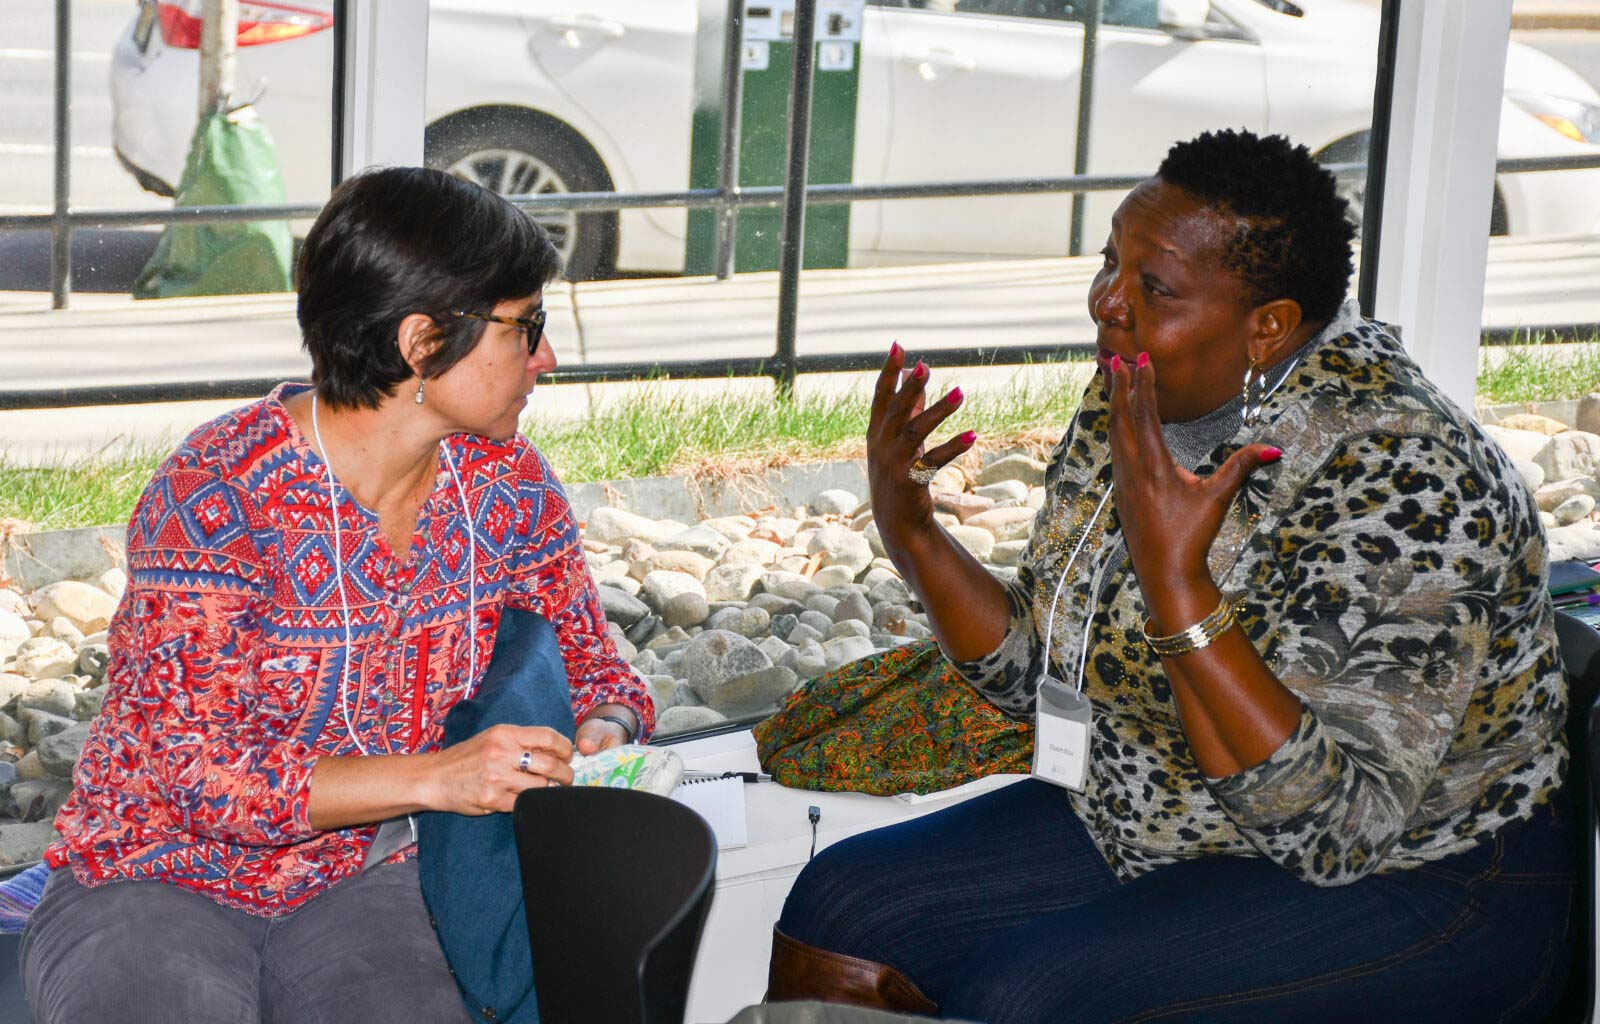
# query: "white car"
[[533, 96]]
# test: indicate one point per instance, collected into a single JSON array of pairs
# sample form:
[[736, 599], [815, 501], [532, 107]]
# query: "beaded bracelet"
[[1198, 635]]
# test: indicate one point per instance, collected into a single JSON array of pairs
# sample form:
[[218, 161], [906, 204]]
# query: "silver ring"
[[922, 475], [525, 762]]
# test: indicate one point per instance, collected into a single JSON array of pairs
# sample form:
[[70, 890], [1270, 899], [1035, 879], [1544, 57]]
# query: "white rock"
[[845, 649], [779, 530], [875, 541], [978, 541], [835, 502], [1008, 552], [790, 585], [1588, 417], [1519, 444], [1547, 519], [854, 607], [661, 586], [889, 591], [735, 528], [1580, 540], [699, 539], [62, 628], [13, 633], [849, 627], [734, 582], [15, 603], [682, 719], [1005, 523], [1035, 499], [811, 660], [1004, 490], [1531, 472], [609, 571], [615, 525], [950, 478], [1574, 453], [685, 610], [627, 584], [716, 658], [89, 607], [46, 658], [12, 686], [1553, 494], [833, 576], [114, 582], [775, 649], [839, 545], [1013, 467], [751, 552], [691, 562], [1573, 509]]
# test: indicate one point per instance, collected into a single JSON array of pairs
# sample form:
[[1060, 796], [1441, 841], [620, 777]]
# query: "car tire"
[[518, 152]]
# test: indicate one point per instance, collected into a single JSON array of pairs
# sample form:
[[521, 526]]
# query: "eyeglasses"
[[532, 327]]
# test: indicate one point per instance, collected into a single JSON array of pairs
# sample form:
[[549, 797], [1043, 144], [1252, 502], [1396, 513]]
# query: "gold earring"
[[419, 392], [1255, 394]]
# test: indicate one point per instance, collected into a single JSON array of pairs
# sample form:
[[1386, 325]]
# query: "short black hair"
[[401, 240], [1296, 244]]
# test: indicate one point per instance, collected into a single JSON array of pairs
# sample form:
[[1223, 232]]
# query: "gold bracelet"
[[1197, 636]]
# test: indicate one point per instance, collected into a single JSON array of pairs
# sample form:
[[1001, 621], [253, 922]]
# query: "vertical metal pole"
[[792, 240], [341, 64], [732, 114], [60, 226], [1080, 151], [1378, 157], [219, 32]]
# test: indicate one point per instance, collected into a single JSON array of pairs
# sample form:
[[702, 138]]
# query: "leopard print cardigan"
[[1393, 573]]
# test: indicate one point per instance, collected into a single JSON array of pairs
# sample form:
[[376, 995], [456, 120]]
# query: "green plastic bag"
[[232, 161]]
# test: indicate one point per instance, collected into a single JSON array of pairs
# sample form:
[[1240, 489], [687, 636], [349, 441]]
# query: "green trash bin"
[[763, 150], [232, 162]]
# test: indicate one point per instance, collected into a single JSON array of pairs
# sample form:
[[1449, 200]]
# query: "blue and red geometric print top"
[[228, 648]]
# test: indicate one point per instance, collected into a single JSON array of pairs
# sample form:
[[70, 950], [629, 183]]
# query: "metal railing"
[[726, 200]]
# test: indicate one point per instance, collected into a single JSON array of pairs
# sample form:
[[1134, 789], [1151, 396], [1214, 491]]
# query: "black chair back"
[[1580, 660], [617, 886]]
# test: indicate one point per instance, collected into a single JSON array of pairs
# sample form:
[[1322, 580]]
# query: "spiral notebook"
[[721, 803]]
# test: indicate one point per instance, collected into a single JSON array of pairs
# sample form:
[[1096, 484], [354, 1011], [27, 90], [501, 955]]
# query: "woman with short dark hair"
[[1289, 653], [315, 580]]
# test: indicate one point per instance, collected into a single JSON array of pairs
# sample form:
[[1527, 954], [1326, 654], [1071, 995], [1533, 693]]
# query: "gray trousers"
[[146, 951]]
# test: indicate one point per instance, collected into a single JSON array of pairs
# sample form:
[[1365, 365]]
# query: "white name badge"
[[1061, 734]]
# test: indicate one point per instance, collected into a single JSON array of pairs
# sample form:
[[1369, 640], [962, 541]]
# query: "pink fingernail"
[[954, 397], [895, 349], [921, 370], [1116, 363], [969, 437], [1144, 360], [1271, 454]]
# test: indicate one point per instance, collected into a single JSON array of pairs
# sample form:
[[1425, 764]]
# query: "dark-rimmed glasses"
[[532, 327]]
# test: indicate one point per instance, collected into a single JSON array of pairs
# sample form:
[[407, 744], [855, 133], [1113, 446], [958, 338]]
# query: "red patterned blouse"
[[227, 652]]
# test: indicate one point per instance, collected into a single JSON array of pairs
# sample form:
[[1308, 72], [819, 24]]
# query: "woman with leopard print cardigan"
[[1381, 718]]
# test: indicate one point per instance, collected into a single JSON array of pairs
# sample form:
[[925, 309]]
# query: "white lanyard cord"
[[1050, 620], [344, 600]]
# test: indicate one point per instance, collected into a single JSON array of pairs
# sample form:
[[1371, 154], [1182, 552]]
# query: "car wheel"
[[523, 153], [1352, 187]]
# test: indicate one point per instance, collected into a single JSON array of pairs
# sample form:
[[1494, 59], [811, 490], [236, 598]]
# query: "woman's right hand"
[[896, 432], [480, 775]]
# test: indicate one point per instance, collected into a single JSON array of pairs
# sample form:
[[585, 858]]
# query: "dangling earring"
[[419, 392], [1255, 394]]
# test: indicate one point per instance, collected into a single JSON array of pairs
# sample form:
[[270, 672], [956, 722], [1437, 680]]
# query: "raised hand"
[[897, 433]]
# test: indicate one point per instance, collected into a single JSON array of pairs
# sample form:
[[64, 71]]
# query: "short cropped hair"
[[404, 240], [1296, 242]]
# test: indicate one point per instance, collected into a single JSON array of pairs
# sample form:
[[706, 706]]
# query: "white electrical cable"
[[344, 600], [1050, 620]]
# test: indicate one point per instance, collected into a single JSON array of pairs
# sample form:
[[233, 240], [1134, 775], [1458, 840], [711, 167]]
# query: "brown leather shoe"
[[799, 971]]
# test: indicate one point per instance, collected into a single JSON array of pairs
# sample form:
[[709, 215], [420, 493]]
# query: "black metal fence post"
[[732, 121], [792, 241], [60, 221], [1080, 149]]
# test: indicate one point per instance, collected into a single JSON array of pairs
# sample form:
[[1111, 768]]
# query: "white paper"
[[721, 803]]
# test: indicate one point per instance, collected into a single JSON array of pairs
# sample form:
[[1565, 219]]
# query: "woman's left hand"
[[596, 734], [1169, 516]]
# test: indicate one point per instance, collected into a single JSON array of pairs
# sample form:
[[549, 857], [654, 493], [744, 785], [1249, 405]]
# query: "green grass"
[[658, 431]]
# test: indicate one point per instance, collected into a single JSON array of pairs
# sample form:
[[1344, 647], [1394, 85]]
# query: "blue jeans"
[[1001, 910]]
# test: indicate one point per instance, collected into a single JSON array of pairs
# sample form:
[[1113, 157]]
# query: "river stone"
[[616, 526], [751, 552], [834, 502], [875, 541], [950, 478], [58, 753], [12, 731], [735, 528], [701, 540], [43, 724], [40, 799], [717, 657], [978, 541], [1014, 523], [1580, 540], [1588, 416], [45, 657], [13, 686], [780, 530], [811, 660], [1008, 552], [1547, 519], [621, 608], [1005, 490], [805, 633], [685, 610], [962, 506], [113, 581], [627, 584], [688, 562], [56, 696], [1573, 509], [1574, 453], [752, 692], [772, 604], [890, 591], [645, 662], [89, 607], [93, 660], [891, 617], [24, 842], [1519, 444], [752, 623], [30, 768], [645, 630], [839, 545], [855, 607], [1534, 423], [661, 586], [774, 648], [1035, 498], [684, 718], [1531, 472], [14, 632], [846, 649], [790, 585], [733, 582], [848, 627], [1027, 470], [782, 623], [88, 704], [15, 603], [833, 576]]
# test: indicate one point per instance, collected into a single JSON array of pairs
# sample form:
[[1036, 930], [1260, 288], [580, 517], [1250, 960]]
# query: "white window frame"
[[385, 83]]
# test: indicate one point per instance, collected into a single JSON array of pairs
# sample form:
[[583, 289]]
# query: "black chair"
[[617, 885], [1580, 658]]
